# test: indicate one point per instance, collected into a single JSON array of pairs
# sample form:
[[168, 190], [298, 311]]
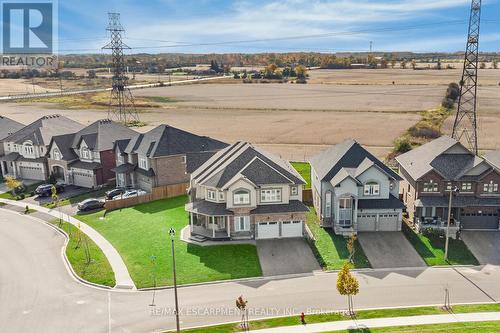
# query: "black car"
[[45, 190], [113, 193], [90, 204]]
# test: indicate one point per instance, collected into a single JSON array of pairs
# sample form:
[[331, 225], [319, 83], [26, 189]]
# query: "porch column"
[[191, 221], [228, 226], [355, 217], [213, 226], [2, 164]]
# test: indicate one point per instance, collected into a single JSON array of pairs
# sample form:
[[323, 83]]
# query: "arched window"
[[56, 154], [371, 188], [28, 149], [241, 197]]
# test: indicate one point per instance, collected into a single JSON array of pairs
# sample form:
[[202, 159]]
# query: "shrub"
[[22, 196], [424, 132], [448, 103], [402, 145]]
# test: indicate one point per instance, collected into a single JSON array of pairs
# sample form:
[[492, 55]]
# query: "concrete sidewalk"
[[122, 276], [385, 322]]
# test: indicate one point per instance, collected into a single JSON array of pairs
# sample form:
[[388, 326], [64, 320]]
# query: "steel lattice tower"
[[121, 105], [466, 119]]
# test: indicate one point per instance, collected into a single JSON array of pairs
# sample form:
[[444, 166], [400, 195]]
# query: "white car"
[[130, 194]]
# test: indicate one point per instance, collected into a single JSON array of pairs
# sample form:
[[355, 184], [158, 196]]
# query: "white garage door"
[[388, 222], [367, 222], [291, 229], [28, 172], [268, 230], [83, 179]]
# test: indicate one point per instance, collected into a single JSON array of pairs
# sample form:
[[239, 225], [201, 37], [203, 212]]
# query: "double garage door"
[[267, 230], [481, 222], [29, 172], [386, 222]]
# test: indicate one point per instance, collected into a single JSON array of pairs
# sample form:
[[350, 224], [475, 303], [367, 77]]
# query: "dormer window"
[[431, 186], [56, 154], [241, 197], [85, 153], [143, 163], [371, 189], [211, 195], [490, 187]]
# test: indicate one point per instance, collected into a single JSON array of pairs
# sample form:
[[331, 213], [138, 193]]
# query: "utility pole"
[[124, 110], [447, 241], [171, 232], [466, 119]]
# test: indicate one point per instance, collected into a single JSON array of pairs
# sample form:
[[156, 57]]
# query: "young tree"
[[494, 64], [393, 62], [403, 64], [12, 184], [413, 64], [347, 285], [482, 65], [351, 247]]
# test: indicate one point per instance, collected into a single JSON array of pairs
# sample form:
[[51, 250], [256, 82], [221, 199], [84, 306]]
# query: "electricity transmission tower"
[[466, 119], [121, 104]]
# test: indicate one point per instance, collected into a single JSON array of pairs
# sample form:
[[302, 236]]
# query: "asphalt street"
[[37, 293]]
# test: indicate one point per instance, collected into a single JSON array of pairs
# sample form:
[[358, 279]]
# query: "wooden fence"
[[307, 197], [162, 192]]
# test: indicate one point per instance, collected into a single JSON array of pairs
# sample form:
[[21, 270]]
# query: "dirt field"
[[19, 87]]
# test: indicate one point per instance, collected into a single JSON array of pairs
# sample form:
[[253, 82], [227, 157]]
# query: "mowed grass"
[[366, 314], [304, 169], [78, 198], [431, 248], [98, 270], [330, 249], [140, 232], [479, 327]]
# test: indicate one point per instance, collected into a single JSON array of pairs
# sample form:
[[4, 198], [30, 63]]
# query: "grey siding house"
[[354, 192], [26, 149], [243, 192], [159, 157], [7, 127]]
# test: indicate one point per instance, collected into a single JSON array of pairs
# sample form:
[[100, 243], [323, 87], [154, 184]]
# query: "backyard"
[[140, 233], [304, 169], [431, 246], [330, 249]]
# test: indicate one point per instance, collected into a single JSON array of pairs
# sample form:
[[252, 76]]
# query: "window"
[[270, 195], [241, 197], [85, 153], [28, 149], [211, 195], [431, 186], [345, 213], [56, 154], [221, 195], [295, 190], [143, 163], [328, 204], [467, 187], [371, 189], [242, 223], [184, 159], [490, 187], [449, 186]]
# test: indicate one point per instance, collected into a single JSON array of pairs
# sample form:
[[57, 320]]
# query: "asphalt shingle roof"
[[494, 158], [41, 131], [349, 155], [260, 173], [391, 203], [195, 160], [85, 165], [458, 201], [63, 143], [8, 126], [294, 206], [204, 207], [102, 134], [165, 140]]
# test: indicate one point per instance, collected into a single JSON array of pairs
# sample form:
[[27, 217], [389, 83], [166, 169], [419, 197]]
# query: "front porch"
[[436, 218]]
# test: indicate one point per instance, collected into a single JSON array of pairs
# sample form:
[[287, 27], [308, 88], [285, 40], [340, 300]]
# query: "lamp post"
[[171, 232], [153, 259], [447, 241]]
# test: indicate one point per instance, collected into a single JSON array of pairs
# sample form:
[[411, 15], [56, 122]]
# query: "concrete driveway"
[[484, 245], [389, 250], [286, 256]]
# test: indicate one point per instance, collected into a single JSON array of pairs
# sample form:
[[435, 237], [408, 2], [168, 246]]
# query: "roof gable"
[[8, 127]]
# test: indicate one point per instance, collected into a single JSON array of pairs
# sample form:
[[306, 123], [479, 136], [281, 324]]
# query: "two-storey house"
[[86, 158], [159, 157], [431, 171], [243, 192], [26, 149], [7, 127], [353, 191]]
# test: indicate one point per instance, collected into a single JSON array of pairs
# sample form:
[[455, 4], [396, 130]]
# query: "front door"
[[345, 212]]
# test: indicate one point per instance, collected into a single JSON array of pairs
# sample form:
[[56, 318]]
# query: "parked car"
[[45, 190], [90, 204], [130, 194], [114, 193]]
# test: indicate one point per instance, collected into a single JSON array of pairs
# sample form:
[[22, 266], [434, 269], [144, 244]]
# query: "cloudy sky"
[[221, 26]]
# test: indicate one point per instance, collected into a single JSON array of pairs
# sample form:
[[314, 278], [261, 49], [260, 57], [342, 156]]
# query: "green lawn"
[[431, 248], [479, 327], [368, 314], [78, 198], [304, 169], [98, 270], [330, 249], [140, 232]]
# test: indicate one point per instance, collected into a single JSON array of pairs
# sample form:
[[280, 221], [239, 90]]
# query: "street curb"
[[67, 264]]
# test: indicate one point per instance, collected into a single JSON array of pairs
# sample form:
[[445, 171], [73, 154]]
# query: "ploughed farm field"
[[297, 121]]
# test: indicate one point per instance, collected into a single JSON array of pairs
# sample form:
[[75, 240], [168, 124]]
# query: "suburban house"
[[26, 149], [159, 157], [493, 158], [243, 192], [354, 192], [431, 171], [86, 158], [7, 127]]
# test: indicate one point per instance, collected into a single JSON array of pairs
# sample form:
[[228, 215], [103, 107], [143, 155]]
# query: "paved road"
[[38, 295], [485, 245]]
